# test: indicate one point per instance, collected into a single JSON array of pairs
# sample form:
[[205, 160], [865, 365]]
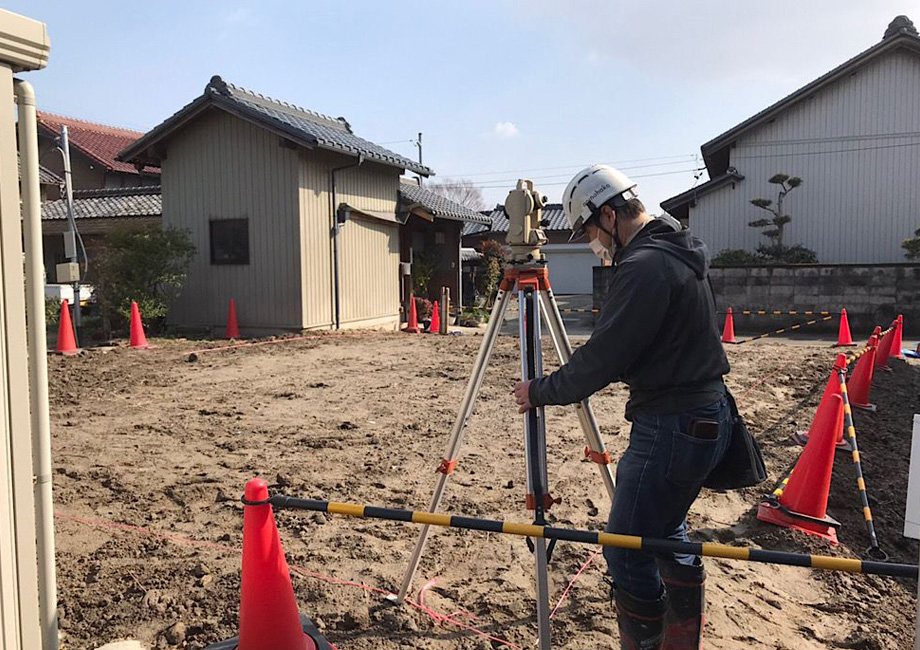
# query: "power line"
[[576, 166], [821, 153], [491, 187]]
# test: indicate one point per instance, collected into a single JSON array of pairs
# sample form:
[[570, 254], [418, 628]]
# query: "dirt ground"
[[151, 453]]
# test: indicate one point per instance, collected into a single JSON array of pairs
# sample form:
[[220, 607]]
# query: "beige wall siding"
[[856, 205], [369, 249], [222, 167]]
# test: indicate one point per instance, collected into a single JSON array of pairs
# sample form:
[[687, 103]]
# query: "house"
[[292, 214], [48, 181], [92, 154], [431, 236], [570, 265], [851, 135], [96, 213]]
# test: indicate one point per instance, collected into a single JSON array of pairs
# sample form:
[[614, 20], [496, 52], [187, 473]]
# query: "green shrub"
[[148, 266], [736, 257], [912, 246]]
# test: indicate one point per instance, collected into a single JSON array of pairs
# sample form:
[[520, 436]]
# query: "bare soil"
[[151, 453]]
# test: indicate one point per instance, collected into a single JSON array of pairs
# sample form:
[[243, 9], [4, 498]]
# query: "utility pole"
[[70, 237], [418, 143]]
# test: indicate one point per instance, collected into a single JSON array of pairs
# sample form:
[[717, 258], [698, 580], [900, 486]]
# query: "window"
[[230, 241]]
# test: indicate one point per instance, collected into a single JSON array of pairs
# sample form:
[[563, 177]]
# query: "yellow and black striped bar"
[[782, 330], [857, 464], [779, 312], [569, 310], [704, 549], [854, 356]]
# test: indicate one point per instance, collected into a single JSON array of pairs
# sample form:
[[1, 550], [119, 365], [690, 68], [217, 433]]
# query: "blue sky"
[[500, 89]]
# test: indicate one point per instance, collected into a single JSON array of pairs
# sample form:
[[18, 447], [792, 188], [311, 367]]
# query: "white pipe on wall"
[[38, 364]]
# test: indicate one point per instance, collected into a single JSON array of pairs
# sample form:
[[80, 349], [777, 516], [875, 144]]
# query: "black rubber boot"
[[686, 603], [641, 622]]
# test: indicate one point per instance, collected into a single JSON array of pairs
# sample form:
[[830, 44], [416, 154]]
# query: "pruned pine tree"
[[773, 227]]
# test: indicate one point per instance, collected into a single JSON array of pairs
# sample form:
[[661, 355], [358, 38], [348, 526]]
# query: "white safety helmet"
[[591, 188]]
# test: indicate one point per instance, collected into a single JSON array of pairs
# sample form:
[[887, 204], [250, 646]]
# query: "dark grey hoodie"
[[656, 332]]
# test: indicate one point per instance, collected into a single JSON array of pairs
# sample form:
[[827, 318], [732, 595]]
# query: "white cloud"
[[506, 130]]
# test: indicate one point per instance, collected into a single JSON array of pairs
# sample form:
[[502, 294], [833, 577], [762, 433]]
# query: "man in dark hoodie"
[[657, 333]]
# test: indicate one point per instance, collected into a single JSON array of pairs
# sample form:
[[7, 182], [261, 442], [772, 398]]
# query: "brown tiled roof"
[[98, 141], [108, 203]]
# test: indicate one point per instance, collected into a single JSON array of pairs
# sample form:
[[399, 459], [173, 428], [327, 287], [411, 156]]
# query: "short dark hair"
[[630, 210]]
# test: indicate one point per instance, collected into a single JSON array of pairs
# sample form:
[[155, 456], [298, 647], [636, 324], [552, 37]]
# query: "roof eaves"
[[715, 145], [692, 194], [177, 120]]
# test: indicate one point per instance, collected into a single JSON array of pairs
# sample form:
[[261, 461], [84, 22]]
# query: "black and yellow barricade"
[[784, 330], [704, 549]]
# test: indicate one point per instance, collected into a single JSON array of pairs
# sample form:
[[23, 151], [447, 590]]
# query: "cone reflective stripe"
[[861, 381], [268, 609], [435, 319], [233, 328], [66, 341], [896, 342], [728, 332], [843, 336], [803, 503], [412, 325], [138, 338], [884, 347]]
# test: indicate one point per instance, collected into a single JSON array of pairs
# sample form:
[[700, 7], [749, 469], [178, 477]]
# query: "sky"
[[500, 89]]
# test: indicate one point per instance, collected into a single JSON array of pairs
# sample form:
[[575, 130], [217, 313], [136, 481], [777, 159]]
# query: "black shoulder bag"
[[742, 466]]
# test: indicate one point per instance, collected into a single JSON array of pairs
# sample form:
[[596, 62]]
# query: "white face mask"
[[600, 250]]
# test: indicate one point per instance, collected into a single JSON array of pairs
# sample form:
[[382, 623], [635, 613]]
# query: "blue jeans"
[[658, 478]]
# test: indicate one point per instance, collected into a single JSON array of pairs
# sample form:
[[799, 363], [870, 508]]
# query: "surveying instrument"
[[526, 272]]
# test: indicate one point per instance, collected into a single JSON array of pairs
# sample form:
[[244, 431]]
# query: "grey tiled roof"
[[300, 124], [45, 176], [469, 255], [99, 204], [441, 207], [552, 213]]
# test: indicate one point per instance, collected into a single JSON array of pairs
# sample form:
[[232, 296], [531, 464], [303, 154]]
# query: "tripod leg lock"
[[548, 501], [447, 466], [599, 457]]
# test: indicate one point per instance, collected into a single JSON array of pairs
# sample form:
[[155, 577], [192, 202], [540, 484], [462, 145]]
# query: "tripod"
[[531, 279]]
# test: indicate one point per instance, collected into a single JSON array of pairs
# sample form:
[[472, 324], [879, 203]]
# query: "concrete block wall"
[[872, 294]]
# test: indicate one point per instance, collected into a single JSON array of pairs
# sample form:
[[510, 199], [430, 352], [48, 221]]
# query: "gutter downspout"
[[38, 365], [335, 242]]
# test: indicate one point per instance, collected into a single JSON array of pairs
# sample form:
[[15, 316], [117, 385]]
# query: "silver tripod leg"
[[535, 451], [595, 443], [496, 320]]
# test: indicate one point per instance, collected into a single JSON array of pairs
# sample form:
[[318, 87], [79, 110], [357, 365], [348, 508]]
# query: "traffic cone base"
[[872, 408], [778, 515], [314, 638], [801, 437]]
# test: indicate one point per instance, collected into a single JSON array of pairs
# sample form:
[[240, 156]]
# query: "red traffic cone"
[[896, 341], [803, 503], [66, 341], [435, 325], [861, 381], [138, 338], [884, 347], [268, 610], [831, 389], [728, 332], [412, 325], [843, 336], [233, 328]]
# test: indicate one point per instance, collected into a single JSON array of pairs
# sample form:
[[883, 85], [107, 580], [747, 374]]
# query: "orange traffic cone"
[[435, 325], [66, 341], [138, 338], [896, 341], [268, 610], [728, 332], [233, 328], [803, 503], [843, 336], [859, 384], [412, 325], [831, 390], [884, 347]]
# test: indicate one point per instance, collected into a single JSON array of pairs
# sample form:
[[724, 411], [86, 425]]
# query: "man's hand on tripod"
[[522, 396]]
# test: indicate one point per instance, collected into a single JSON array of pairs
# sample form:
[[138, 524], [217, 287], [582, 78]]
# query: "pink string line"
[[584, 566], [436, 617]]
